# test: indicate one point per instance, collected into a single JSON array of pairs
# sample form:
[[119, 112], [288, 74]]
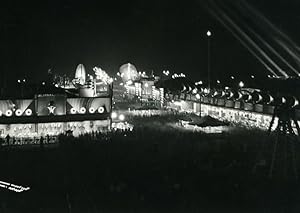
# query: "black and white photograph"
[[154, 106]]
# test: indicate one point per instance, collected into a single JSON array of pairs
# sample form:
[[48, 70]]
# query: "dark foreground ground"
[[150, 170]]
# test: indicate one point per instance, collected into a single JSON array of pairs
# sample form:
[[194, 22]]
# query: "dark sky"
[[153, 35]]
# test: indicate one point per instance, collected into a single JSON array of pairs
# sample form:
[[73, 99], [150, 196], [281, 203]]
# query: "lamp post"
[[208, 34]]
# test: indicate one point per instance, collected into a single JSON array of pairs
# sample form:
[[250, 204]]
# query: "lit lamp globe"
[[114, 115], [241, 84], [121, 117]]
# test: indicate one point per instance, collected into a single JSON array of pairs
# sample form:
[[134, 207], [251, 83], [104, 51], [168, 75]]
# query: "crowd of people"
[[153, 168]]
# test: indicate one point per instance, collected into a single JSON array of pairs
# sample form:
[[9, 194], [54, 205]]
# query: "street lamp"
[[241, 84], [208, 34]]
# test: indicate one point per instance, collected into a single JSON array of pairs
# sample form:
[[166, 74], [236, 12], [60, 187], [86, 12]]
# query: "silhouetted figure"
[[42, 142], [7, 138], [48, 138], [13, 141], [1, 142]]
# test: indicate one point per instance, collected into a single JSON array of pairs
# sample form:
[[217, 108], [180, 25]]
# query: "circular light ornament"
[[247, 97], [101, 109], [223, 94], [8, 113], [73, 111], [114, 115], [121, 117], [239, 96], [92, 110], [82, 110], [28, 112], [18, 112]]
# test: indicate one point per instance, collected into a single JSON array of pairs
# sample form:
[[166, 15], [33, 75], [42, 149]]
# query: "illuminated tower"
[[80, 75]]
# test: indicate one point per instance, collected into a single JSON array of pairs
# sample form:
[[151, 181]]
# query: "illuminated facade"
[[49, 114], [251, 116]]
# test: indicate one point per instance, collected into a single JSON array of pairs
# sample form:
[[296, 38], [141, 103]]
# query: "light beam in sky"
[[240, 32]]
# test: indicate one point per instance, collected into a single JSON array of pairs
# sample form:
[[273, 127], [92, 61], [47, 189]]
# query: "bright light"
[[218, 81], [8, 113], [82, 110], [232, 77], [198, 96], [271, 99], [114, 115], [296, 102], [13, 187], [252, 76], [18, 112], [122, 117], [230, 95], [215, 94], [24, 80], [208, 33], [241, 84], [199, 83], [1, 113], [129, 82], [166, 72], [195, 91], [19, 81], [146, 85], [206, 91], [28, 112], [102, 75], [101, 109], [92, 110], [73, 111], [43, 83]]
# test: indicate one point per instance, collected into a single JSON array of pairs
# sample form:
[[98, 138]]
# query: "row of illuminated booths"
[[244, 99], [232, 115], [31, 130]]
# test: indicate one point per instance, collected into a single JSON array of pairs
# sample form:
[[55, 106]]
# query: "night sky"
[[153, 35]]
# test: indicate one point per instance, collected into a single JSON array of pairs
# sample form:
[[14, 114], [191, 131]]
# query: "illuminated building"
[[54, 110], [128, 72]]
